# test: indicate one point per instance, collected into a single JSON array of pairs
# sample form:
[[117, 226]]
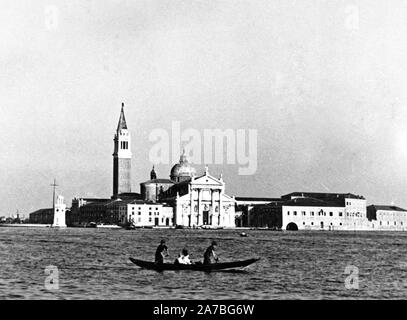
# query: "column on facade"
[[199, 213], [191, 208], [212, 217], [220, 213]]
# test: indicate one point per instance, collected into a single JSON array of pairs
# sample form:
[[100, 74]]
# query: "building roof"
[[96, 204], [312, 202], [128, 196], [154, 181], [42, 211], [93, 199], [322, 195], [122, 120], [132, 201], [386, 208], [257, 199], [183, 168]]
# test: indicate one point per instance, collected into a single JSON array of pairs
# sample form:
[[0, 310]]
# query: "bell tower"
[[122, 157]]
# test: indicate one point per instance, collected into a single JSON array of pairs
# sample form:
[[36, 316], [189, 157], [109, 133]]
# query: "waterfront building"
[[84, 212], [267, 216], [313, 211], [42, 216], [389, 218], [55, 216], [199, 201], [141, 213], [45, 216], [324, 211], [245, 205]]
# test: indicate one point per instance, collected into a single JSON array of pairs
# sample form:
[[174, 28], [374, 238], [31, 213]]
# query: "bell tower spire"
[[122, 120], [122, 157]]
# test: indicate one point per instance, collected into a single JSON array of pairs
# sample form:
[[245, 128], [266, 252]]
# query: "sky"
[[323, 83]]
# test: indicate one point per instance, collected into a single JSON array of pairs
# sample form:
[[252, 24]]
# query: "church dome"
[[182, 170]]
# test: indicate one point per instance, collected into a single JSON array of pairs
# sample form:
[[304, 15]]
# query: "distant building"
[[87, 210], [53, 216], [141, 213], [245, 205], [313, 211], [199, 201], [268, 215], [390, 218], [42, 216]]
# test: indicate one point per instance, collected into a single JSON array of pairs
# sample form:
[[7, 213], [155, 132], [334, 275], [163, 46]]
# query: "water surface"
[[94, 264]]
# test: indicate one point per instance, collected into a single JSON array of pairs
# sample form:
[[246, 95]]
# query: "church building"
[[184, 199], [198, 201]]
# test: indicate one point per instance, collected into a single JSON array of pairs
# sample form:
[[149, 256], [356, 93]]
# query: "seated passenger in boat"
[[183, 258], [210, 254]]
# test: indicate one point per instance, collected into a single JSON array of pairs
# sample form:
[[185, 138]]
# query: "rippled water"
[[94, 264]]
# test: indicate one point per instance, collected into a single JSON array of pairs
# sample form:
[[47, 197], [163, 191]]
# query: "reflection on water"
[[94, 264]]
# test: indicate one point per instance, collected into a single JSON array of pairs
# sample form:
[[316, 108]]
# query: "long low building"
[[140, 213], [42, 216], [313, 211], [390, 218], [245, 205], [144, 213]]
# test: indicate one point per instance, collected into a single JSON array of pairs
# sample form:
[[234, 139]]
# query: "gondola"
[[194, 267]]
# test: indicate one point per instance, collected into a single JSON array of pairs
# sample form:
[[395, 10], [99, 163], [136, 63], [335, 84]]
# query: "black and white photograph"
[[203, 150]]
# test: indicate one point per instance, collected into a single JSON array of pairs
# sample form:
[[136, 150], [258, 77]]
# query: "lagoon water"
[[94, 264]]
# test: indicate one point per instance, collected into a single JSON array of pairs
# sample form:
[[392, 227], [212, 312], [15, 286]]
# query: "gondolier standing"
[[161, 252], [210, 254]]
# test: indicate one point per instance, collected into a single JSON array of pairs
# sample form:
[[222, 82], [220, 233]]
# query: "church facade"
[[199, 201], [205, 204]]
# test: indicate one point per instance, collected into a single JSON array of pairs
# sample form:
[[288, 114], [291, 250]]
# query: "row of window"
[[395, 223], [312, 213], [124, 145], [140, 208], [150, 213], [321, 224], [331, 214], [151, 220]]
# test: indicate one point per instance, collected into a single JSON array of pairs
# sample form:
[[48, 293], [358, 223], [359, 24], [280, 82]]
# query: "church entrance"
[[205, 218]]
